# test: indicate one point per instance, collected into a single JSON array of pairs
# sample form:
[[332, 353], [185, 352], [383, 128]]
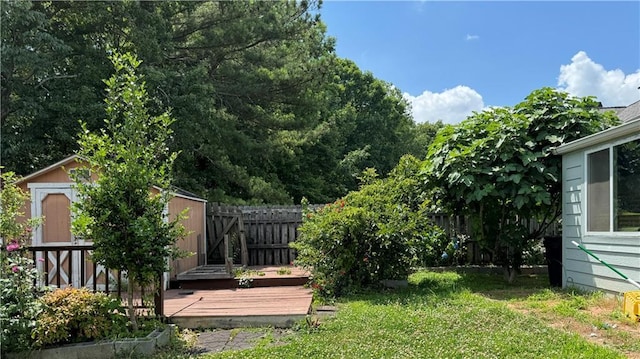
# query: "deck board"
[[277, 306]]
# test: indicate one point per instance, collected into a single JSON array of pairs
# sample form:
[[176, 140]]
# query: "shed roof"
[[178, 192], [58, 164]]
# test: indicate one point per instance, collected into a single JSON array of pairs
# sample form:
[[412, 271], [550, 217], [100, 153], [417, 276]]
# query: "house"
[[52, 193], [601, 205]]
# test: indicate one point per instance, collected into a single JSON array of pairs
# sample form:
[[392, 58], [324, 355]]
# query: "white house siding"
[[620, 251]]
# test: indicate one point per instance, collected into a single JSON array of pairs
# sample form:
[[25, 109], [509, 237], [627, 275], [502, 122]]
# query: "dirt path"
[[602, 323]]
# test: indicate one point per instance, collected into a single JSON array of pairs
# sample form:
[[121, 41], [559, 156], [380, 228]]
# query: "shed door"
[[53, 203]]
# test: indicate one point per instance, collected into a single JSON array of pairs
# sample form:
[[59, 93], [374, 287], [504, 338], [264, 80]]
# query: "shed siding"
[[580, 269], [56, 175], [194, 223]]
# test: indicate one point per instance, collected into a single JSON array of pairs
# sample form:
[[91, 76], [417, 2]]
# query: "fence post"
[[243, 242], [228, 262]]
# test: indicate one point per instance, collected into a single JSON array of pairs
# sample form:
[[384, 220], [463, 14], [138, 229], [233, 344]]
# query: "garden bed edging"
[[105, 349]]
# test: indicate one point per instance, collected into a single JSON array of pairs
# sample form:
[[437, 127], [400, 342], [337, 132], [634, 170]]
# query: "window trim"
[[585, 196]]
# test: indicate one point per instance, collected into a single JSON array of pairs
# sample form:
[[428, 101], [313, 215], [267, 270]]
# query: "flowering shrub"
[[19, 307], [379, 232], [78, 315]]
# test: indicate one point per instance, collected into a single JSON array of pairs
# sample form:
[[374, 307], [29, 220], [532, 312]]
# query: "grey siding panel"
[[623, 261], [573, 185], [609, 245], [622, 253], [573, 172], [573, 219], [590, 282], [571, 232], [572, 208], [574, 197]]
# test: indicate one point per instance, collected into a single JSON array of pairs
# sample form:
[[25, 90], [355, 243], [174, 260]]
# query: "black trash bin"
[[553, 253]]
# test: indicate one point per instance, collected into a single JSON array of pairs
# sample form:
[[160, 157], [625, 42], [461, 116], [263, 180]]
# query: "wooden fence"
[[260, 235], [266, 232], [458, 228]]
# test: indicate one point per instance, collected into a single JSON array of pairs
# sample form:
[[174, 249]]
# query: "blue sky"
[[451, 58]]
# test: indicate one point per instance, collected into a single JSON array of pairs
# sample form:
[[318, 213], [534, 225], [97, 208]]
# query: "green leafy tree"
[[126, 222], [498, 167], [364, 124], [252, 68], [422, 136], [53, 62], [265, 111]]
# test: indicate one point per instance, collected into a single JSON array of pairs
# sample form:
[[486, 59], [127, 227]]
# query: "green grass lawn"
[[449, 315]]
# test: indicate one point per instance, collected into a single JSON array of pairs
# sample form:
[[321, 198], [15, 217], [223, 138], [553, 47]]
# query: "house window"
[[613, 188], [598, 193]]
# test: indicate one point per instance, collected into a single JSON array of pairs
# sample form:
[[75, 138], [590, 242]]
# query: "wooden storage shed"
[[52, 193]]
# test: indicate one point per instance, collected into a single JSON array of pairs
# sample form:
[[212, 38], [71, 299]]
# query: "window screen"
[[598, 191]]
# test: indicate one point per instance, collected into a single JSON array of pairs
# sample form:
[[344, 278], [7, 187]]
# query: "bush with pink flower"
[[20, 306]]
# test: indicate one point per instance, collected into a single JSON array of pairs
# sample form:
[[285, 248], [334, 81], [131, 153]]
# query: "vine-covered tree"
[[498, 167], [130, 156]]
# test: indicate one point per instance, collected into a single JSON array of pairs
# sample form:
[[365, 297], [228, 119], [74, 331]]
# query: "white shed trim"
[[49, 168]]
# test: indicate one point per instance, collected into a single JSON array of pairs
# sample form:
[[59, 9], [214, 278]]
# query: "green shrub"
[[78, 315], [18, 297], [379, 232]]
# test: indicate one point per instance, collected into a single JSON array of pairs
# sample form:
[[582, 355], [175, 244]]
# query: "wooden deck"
[[215, 271], [215, 277], [243, 307]]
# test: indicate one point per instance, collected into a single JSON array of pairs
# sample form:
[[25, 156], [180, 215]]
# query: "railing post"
[[33, 258], [58, 276], [106, 279], [119, 283], [82, 268], [45, 255], [70, 265], [95, 275], [159, 296]]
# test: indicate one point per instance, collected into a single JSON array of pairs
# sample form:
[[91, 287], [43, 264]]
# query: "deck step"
[[205, 272], [211, 277], [230, 283], [231, 308]]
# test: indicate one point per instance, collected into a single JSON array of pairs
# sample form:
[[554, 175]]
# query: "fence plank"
[[284, 239]]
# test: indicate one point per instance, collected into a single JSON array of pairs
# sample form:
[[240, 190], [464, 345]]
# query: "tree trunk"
[[509, 272], [131, 309]]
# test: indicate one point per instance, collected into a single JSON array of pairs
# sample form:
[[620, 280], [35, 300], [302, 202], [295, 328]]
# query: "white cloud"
[[472, 37], [584, 77], [450, 106]]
